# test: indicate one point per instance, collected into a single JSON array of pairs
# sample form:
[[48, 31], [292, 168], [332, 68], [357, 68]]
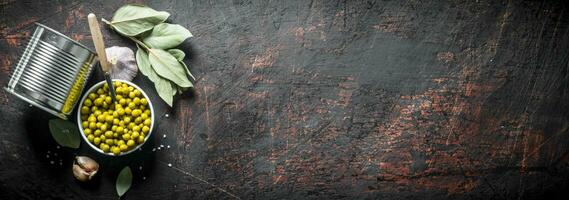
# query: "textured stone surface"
[[324, 99]]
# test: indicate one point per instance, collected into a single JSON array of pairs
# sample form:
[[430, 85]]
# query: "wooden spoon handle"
[[98, 41]]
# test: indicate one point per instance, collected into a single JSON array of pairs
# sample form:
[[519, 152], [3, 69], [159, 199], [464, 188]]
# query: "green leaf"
[[144, 65], [165, 36], [179, 54], [167, 66], [174, 88], [65, 133], [164, 89], [132, 20], [124, 181], [162, 85]]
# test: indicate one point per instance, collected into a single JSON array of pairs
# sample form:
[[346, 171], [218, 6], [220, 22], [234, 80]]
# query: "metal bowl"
[[79, 121]]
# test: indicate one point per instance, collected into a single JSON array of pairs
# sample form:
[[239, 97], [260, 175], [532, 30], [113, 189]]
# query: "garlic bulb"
[[84, 168], [123, 63]]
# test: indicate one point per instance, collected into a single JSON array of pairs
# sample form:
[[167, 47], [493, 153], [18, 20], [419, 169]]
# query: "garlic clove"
[[123, 63], [84, 168]]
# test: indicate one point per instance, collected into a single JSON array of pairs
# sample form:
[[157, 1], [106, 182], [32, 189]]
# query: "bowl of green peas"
[[115, 128]]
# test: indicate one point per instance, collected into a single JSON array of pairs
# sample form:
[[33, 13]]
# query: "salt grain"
[[140, 168], [164, 136], [47, 156], [169, 164], [144, 178], [166, 115], [168, 146], [51, 162]]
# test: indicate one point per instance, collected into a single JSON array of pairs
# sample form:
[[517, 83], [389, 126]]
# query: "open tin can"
[[52, 71]]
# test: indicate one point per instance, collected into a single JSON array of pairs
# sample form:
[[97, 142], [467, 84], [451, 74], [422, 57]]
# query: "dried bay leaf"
[[169, 67], [65, 133], [124, 181], [179, 54], [166, 36], [132, 20]]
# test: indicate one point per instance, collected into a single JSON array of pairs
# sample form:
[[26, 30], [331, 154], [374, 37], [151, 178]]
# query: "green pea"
[[101, 118], [103, 127], [90, 138], [140, 139], [98, 102], [96, 140], [123, 148], [130, 143], [136, 112], [92, 125], [145, 129], [143, 101], [88, 102], [104, 147], [136, 128], [136, 101], [116, 150], [134, 135]]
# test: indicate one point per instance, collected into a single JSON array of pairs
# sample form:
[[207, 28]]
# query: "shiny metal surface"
[[52, 71]]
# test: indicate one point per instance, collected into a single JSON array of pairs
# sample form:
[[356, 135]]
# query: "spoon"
[[100, 48]]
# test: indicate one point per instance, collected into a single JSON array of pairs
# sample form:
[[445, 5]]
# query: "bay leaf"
[[166, 36], [167, 66], [65, 133], [144, 65], [159, 83], [124, 181], [164, 89], [132, 20], [179, 54]]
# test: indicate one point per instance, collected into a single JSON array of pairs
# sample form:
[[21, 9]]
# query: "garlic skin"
[[123, 63], [84, 168]]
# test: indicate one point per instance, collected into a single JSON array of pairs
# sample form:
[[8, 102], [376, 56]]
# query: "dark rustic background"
[[457, 99]]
